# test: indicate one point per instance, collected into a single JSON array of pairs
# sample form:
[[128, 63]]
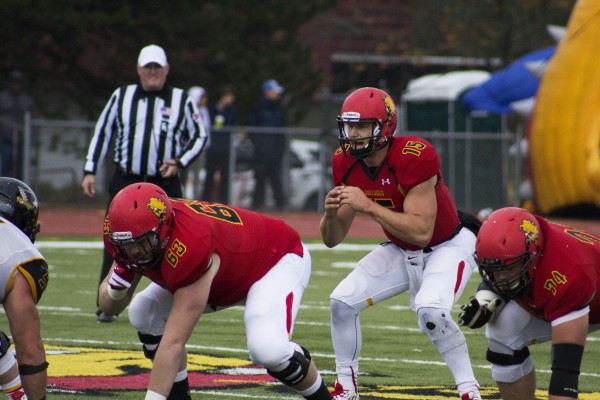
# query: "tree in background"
[[76, 51], [486, 28]]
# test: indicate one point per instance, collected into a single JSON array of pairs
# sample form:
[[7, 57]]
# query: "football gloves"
[[481, 309], [119, 280]]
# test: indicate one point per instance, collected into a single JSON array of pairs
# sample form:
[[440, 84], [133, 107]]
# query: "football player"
[[540, 282], [23, 279], [202, 257], [396, 181]]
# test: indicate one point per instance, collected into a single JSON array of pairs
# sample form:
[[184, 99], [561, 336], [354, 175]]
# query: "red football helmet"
[[372, 106], [506, 251], [138, 225]]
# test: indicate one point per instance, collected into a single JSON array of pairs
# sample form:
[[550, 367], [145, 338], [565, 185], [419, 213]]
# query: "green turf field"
[[104, 361]]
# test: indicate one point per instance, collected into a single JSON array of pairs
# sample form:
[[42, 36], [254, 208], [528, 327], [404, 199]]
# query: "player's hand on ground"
[[480, 309]]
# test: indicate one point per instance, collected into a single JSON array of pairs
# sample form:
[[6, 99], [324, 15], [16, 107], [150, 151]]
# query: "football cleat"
[[471, 395], [17, 395], [106, 318], [339, 393]]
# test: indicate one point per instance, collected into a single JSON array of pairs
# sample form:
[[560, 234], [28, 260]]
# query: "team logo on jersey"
[[530, 230], [158, 208]]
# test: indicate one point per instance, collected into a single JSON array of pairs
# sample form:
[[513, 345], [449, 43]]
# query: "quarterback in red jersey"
[[396, 181], [540, 283], [202, 257]]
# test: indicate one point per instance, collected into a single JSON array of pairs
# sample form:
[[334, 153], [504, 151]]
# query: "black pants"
[[268, 170], [216, 162], [171, 186]]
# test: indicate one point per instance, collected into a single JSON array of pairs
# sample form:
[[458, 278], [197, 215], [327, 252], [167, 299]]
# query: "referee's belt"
[[142, 178]]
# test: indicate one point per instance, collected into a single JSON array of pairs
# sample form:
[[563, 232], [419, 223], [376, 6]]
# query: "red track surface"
[[88, 223]]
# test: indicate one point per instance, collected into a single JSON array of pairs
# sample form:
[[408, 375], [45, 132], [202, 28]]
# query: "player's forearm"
[[164, 367], [107, 304], [332, 230]]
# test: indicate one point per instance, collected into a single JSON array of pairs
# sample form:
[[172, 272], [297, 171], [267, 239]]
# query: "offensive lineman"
[[202, 257], [540, 282], [396, 181], [23, 279]]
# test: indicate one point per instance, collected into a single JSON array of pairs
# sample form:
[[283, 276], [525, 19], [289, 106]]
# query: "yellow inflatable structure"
[[564, 136]]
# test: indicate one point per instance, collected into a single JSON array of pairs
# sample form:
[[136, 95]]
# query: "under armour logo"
[[386, 181]]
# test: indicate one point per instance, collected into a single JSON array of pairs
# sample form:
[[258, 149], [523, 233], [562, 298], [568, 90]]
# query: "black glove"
[[480, 309]]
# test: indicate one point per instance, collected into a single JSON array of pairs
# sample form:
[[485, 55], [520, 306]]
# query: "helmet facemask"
[[143, 252], [508, 277], [360, 147]]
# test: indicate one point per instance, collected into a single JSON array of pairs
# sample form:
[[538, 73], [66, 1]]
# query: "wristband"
[[116, 294], [150, 395]]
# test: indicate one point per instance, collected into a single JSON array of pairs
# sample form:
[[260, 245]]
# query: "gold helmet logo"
[[531, 231], [158, 207], [390, 107]]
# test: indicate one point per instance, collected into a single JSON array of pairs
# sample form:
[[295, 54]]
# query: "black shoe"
[[106, 318]]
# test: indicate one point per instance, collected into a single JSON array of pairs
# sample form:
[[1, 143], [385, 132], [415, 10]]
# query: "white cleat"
[[339, 393]]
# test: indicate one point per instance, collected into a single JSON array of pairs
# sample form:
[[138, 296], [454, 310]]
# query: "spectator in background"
[[158, 133], [192, 181], [200, 97], [14, 103], [223, 113], [269, 148]]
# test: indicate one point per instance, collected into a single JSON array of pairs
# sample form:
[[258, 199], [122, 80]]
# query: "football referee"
[[157, 132]]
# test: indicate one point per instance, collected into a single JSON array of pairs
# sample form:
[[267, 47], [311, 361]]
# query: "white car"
[[304, 182]]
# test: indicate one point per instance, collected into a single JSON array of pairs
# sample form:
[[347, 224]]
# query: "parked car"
[[304, 183]]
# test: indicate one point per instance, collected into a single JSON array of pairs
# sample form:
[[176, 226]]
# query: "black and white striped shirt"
[[149, 128]]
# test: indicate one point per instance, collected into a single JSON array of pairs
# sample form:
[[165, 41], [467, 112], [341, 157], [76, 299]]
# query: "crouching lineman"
[[202, 257], [540, 282], [23, 279]]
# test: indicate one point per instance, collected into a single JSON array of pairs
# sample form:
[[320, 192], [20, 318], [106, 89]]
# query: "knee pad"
[[510, 367], [296, 370], [443, 332], [149, 344]]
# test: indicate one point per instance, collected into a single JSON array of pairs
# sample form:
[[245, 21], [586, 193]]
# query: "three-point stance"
[[396, 181], [203, 257], [540, 282]]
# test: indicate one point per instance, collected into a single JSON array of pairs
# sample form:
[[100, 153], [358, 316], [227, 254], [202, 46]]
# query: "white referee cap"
[[152, 54]]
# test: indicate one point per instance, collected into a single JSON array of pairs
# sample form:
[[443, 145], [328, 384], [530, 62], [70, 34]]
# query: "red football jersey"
[[567, 276], [249, 245], [410, 161]]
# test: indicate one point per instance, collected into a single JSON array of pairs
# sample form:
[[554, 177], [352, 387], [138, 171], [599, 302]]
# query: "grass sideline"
[[398, 361]]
